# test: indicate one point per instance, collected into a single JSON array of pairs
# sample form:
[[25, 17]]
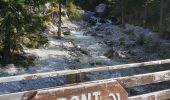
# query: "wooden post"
[[75, 78]]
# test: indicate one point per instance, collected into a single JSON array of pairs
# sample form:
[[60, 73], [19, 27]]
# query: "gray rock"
[[100, 9], [66, 31]]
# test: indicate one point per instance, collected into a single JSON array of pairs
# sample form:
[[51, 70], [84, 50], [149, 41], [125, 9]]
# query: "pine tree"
[[19, 19]]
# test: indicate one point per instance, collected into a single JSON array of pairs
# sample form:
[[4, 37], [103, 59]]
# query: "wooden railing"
[[126, 82]]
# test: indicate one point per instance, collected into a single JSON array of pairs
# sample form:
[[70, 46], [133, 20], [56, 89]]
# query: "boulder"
[[31, 59], [92, 20], [113, 20], [66, 31], [114, 52], [100, 9], [85, 51]]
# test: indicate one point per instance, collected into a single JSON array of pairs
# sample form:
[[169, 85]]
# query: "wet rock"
[[109, 42], [100, 34], [98, 21], [108, 21], [66, 31], [93, 20], [85, 51], [114, 20], [114, 52], [31, 59], [109, 54]]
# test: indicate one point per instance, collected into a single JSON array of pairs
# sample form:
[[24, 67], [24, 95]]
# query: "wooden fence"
[[125, 82]]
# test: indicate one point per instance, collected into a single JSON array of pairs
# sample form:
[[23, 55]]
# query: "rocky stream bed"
[[86, 47]]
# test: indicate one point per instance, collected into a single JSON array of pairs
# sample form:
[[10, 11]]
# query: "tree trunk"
[[122, 11], [6, 50], [59, 22], [145, 15], [161, 13]]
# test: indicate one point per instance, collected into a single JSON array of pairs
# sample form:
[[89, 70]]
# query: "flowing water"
[[54, 58], [97, 50]]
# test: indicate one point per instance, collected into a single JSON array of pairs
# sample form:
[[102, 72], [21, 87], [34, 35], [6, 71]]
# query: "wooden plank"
[[144, 79], [160, 95], [69, 72], [104, 89], [127, 82]]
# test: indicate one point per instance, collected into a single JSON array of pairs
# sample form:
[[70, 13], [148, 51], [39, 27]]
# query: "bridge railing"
[[125, 82]]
